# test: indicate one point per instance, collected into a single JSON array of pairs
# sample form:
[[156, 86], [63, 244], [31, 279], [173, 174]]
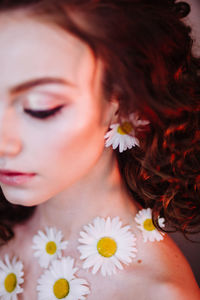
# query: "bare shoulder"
[[174, 291], [164, 271]]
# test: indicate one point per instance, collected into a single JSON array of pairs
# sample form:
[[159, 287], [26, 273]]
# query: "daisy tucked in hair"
[[123, 134], [119, 135]]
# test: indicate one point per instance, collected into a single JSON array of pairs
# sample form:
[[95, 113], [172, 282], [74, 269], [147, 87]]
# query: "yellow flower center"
[[61, 288], [10, 282], [51, 248], [148, 225], [106, 247], [125, 128]]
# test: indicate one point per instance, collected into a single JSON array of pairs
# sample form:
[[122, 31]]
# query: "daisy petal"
[[11, 277], [48, 246], [60, 281], [106, 245], [144, 222]]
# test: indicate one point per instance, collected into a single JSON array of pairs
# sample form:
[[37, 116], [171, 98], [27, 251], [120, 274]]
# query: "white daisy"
[[59, 282], [11, 276], [144, 220], [106, 245], [48, 246], [119, 136]]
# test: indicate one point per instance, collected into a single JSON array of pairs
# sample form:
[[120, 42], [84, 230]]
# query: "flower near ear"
[[123, 135], [11, 277], [144, 220], [59, 282], [106, 245], [48, 246], [119, 136]]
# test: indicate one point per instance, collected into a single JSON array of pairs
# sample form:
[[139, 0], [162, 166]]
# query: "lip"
[[13, 172], [16, 179]]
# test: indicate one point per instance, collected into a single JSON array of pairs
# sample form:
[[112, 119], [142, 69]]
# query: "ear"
[[113, 110]]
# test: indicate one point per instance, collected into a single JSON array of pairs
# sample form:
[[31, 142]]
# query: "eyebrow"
[[39, 81]]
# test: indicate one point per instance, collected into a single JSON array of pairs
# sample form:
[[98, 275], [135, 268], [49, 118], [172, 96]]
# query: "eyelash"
[[43, 114]]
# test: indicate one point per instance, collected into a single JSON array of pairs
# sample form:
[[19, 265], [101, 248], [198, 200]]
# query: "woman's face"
[[64, 147]]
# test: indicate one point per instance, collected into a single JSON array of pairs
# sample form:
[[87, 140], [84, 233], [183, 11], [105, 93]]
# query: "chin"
[[22, 203], [24, 197]]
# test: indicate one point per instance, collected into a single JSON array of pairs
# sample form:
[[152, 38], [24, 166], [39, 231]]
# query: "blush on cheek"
[[77, 156]]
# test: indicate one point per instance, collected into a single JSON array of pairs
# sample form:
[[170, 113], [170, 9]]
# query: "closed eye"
[[43, 114]]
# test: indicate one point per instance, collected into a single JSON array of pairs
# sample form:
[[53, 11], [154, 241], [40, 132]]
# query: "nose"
[[10, 144]]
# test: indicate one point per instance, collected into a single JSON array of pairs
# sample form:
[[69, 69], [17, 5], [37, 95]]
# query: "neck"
[[100, 193]]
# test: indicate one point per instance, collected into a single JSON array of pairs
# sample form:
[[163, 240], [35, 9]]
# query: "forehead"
[[31, 49]]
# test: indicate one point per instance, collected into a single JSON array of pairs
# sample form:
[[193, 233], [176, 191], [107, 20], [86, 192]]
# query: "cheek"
[[75, 152], [71, 148]]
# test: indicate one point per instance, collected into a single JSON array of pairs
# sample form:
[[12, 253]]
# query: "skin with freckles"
[[76, 178]]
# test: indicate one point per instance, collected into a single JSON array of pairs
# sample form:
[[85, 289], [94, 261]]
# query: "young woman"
[[99, 149]]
